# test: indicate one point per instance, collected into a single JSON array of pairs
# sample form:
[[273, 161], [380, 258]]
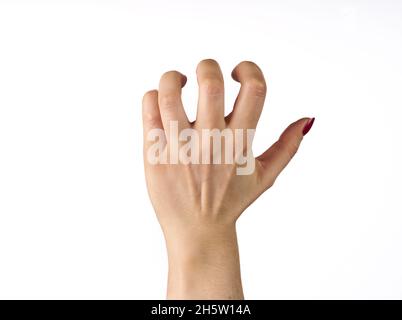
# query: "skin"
[[197, 205]]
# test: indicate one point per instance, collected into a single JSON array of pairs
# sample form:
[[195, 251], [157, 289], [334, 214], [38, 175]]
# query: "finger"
[[275, 159], [151, 117], [249, 102], [210, 112], [169, 99]]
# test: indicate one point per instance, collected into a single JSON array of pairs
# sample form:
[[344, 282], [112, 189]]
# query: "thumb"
[[276, 158]]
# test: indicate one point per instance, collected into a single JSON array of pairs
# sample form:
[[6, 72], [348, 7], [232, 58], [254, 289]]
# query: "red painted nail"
[[308, 126]]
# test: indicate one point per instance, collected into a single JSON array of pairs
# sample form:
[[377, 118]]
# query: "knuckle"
[[153, 121], [293, 147], [207, 62], [170, 74], [169, 100], [212, 86], [289, 148], [149, 95], [256, 87], [248, 64]]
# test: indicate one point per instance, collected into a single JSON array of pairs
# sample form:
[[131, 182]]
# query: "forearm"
[[204, 264]]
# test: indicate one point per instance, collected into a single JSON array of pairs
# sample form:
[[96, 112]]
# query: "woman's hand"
[[198, 186]]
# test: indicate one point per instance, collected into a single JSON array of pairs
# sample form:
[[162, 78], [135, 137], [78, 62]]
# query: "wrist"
[[204, 263]]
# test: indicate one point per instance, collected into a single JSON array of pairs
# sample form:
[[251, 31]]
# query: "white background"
[[75, 219]]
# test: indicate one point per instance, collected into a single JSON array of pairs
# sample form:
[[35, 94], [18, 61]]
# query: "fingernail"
[[308, 126], [183, 80]]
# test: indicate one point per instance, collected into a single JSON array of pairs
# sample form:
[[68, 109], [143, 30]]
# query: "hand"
[[197, 205]]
